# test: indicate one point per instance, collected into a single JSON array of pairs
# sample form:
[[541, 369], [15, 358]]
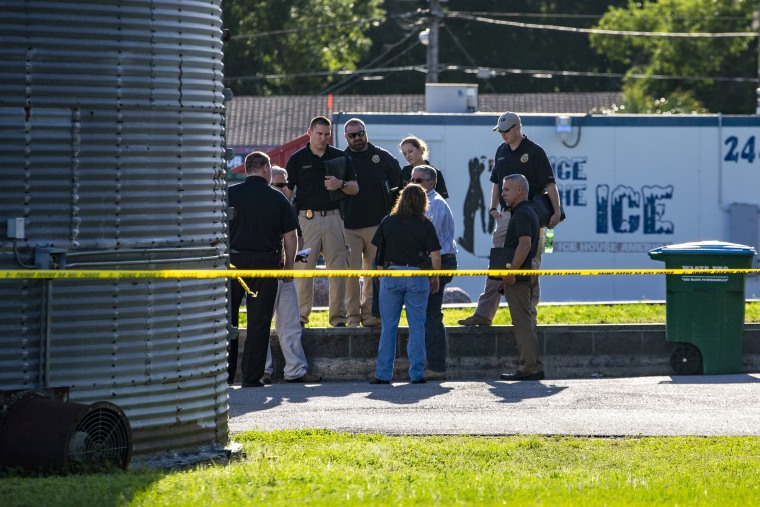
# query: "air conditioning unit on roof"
[[451, 98]]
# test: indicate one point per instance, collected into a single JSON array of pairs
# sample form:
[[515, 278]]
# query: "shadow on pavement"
[[739, 378], [515, 392]]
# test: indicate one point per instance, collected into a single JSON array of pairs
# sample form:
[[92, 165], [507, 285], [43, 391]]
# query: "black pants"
[[260, 307]]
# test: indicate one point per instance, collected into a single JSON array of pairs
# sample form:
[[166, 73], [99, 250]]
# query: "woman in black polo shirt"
[[414, 151], [406, 240]]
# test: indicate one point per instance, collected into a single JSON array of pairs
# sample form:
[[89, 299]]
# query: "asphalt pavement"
[[647, 406]]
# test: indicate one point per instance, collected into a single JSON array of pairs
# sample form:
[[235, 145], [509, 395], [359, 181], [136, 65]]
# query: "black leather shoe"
[[252, 384], [519, 375], [376, 380], [419, 381]]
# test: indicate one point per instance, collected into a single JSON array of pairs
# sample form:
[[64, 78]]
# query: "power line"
[[335, 87], [314, 28], [538, 73], [543, 15], [324, 73], [516, 24], [617, 75], [466, 54]]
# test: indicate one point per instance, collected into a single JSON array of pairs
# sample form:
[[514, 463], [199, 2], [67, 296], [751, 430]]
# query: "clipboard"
[[336, 167]]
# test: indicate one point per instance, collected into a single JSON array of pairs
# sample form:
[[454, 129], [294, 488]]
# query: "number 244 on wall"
[[747, 152]]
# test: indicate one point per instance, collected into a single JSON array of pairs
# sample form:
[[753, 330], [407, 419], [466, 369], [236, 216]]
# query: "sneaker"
[[306, 378], [266, 378], [372, 322], [352, 323], [475, 320], [375, 381], [435, 375]]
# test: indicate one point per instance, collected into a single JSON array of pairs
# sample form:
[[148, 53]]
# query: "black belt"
[[448, 256], [401, 264]]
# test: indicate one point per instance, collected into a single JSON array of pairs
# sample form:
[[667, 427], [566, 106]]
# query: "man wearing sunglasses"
[[516, 155], [376, 172], [440, 215]]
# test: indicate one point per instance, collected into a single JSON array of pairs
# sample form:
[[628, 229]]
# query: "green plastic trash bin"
[[705, 313]]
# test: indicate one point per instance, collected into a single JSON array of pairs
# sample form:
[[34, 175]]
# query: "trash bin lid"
[[705, 247]]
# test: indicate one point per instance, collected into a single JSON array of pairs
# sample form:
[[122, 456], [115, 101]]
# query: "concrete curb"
[[631, 350]]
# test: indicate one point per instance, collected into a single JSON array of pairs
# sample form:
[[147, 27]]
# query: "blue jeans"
[[435, 331], [395, 292]]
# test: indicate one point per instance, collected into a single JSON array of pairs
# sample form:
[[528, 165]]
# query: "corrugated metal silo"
[[112, 142]]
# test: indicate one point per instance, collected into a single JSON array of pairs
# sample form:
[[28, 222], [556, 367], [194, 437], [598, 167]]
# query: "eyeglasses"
[[279, 185], [420, 180], [510, 128], [353, 135]]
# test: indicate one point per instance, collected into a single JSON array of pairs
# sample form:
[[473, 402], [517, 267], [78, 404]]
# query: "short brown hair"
[[256, 161], [320, 120]]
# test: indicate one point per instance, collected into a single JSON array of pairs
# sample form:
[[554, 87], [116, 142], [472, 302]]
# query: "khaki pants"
[[323, 234], [522, 310], [361, 254], [488, 302]]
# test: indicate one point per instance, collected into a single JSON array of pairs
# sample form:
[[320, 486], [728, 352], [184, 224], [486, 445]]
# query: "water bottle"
[[549, 241]]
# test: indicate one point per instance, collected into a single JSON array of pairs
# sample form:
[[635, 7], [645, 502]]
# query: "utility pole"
[[436, 15]]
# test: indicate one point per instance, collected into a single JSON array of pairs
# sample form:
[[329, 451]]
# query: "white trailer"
[[628, 184]]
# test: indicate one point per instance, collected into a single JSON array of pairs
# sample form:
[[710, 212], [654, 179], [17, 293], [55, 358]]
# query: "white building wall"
[[630, 184]]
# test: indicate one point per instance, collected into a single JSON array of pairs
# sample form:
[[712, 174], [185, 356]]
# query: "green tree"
[[714, 58], [316, 37]]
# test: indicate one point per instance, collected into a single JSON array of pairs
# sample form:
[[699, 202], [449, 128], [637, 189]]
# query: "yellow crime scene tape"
[[314, 273]]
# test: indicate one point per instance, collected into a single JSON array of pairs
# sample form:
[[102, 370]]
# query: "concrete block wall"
[[484, 352]]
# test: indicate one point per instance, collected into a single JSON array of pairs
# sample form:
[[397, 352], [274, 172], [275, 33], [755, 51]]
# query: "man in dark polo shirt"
[[516, 155], [319, 216], [263, 223], [522, 235], [376, 172]]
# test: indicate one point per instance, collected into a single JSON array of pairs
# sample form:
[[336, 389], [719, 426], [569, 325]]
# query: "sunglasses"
[[279, 185], [505, 131], [420, 180], [353, 135]]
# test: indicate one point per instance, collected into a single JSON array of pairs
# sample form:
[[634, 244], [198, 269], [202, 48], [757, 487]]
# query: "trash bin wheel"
[[686, 359]]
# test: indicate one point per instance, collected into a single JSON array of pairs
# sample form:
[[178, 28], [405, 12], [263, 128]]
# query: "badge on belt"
[[309, 214]]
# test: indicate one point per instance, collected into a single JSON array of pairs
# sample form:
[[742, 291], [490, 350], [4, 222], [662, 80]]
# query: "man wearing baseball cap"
[[516, 155]]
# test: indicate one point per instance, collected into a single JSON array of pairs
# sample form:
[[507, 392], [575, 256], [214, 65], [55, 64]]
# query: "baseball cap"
[[507, 120]]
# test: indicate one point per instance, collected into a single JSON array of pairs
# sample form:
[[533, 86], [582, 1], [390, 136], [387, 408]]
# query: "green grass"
[[638, 313], [323, 468]]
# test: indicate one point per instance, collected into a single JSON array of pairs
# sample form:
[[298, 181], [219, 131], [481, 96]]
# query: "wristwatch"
[[508, 266], [492, 209], [343, 185]]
